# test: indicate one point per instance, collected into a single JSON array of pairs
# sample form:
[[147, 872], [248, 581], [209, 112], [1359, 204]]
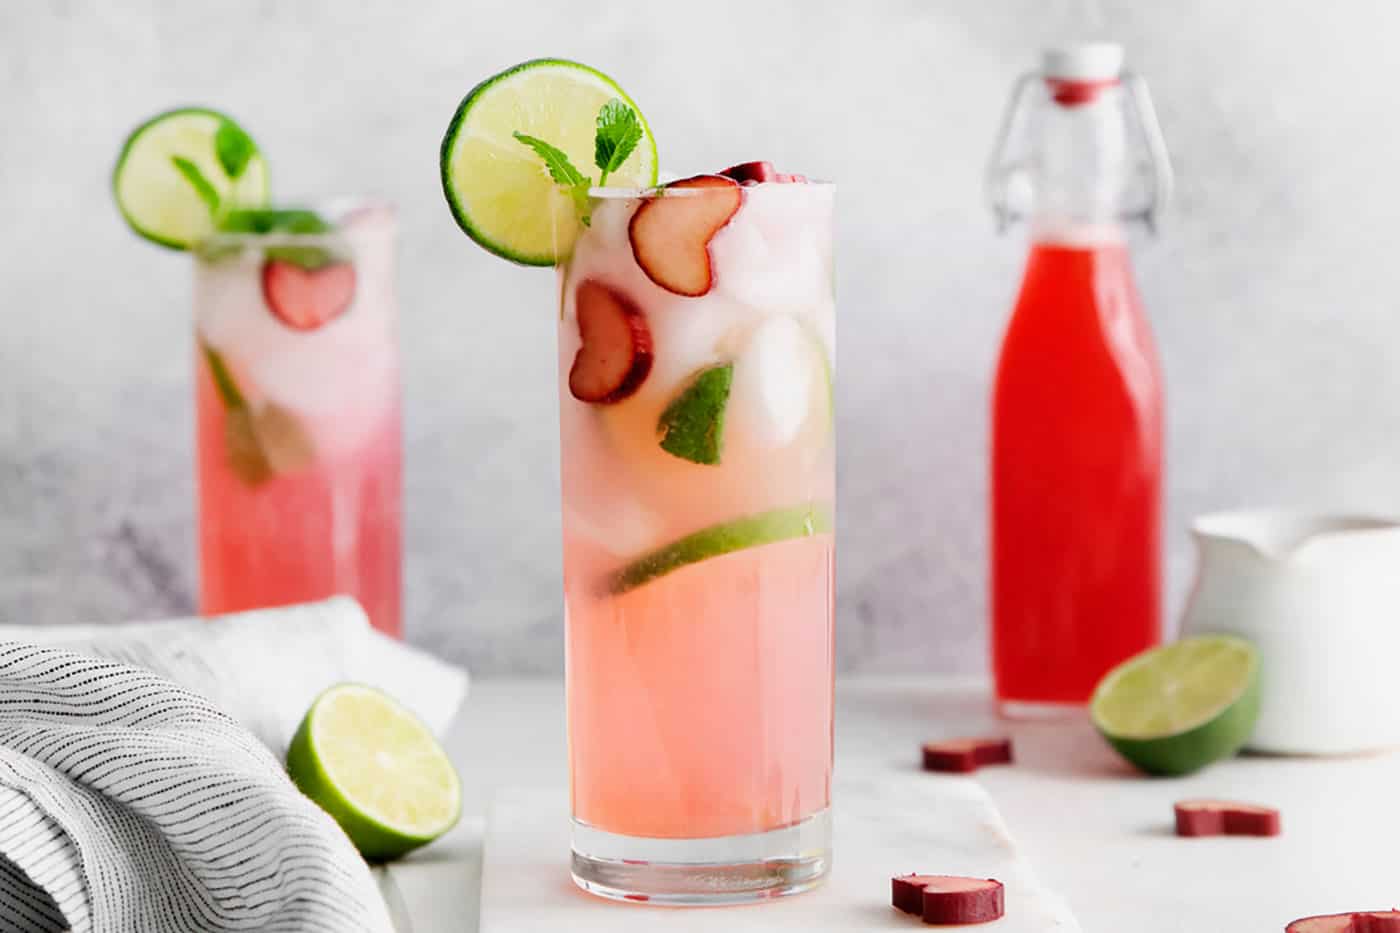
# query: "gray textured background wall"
[[1273, 291]]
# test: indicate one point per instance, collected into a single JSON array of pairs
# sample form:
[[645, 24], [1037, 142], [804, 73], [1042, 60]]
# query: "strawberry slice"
[[671, 233], [616, 354], [305, 299]]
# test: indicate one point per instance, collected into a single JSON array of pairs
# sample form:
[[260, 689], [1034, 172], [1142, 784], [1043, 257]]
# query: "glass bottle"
[[1076, 459]]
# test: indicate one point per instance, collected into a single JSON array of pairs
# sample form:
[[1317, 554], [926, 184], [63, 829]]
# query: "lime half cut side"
[[1179, 707], [376, 769], [499, 189], [179, 170]]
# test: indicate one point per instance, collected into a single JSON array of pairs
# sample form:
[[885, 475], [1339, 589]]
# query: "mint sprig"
[[619, 130]]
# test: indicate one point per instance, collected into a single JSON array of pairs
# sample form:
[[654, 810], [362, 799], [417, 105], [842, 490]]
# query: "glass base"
[[1023, 709], [699, 872]]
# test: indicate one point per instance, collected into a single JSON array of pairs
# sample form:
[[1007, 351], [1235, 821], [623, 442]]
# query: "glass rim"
[[628, 194], [335, 209]]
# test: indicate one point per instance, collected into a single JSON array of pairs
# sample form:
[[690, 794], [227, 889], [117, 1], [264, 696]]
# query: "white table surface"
[[1092, 829]]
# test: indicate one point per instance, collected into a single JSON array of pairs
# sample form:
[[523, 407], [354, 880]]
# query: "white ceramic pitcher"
[[1319, 595]]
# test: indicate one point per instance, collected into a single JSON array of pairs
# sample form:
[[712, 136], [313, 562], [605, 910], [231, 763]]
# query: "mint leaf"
[[619, 131], [234, 148], [223, 379], [560, 168], [207, 193], [258, 443], [693, 424]]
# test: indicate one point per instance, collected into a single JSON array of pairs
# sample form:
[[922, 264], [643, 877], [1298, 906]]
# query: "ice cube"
[[775, 255], [774, 380]]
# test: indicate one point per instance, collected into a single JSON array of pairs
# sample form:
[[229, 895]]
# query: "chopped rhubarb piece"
[[1225, 818], [616, 354], [304, 299], [964, 755], [1375, 921], [949, 899], [671, 233], [751, 173], [790, 179]]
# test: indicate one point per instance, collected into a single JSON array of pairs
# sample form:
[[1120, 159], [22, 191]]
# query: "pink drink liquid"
[[700, 704], [332, 528]]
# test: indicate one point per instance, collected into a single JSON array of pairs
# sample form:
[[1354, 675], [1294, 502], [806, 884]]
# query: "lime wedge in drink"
[[752, 531], [499, 189], [1179, 707], [375, 768], [179, 171]]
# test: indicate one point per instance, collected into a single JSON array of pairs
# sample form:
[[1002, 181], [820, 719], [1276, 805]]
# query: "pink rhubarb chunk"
[[304, 299], [1225, 818], [616, 354], [964, 755], [949, 899], [1378, 921], [671, 234]]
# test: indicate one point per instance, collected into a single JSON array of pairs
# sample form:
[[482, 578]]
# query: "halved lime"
[[373, 766], [752, 531], [1179, 707], [498, 189], [179, 170]]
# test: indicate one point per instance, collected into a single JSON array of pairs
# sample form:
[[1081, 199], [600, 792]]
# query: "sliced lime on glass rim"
[[499, 190], [1176, 708], [376, 769], [183, 169]]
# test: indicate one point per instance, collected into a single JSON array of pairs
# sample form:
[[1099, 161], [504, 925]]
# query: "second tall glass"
[[698, 474], [299, 438]]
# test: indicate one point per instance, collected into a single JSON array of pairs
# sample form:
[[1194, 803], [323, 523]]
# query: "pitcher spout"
[[1278, 535]]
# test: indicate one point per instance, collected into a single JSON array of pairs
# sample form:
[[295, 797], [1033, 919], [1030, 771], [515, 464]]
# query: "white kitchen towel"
[[131, 805], [885, 826], [265, 667]]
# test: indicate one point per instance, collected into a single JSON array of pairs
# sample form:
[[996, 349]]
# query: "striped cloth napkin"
[[130, 803]]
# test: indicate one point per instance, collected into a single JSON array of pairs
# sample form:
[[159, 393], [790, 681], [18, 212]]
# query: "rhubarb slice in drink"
[[1370, 921]]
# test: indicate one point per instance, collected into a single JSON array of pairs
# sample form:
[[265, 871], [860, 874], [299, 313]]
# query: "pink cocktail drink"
[[696, 351], [299, 436]]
